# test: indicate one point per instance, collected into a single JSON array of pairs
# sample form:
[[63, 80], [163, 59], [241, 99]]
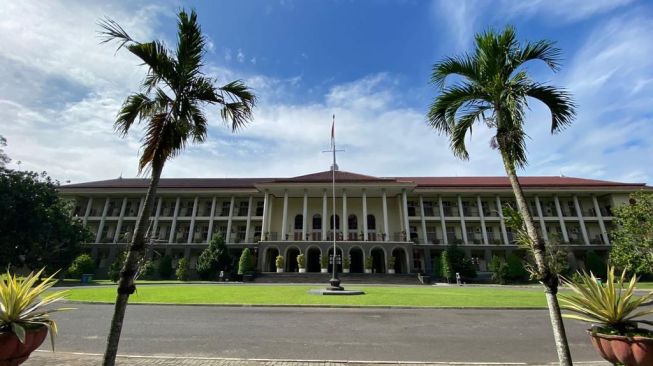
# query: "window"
[[352, 222], [317, 222], [337, 222], [299, 222], [259, 208], [371, 222], [225, 208], [242, 210], [428, 208], [411, 208]]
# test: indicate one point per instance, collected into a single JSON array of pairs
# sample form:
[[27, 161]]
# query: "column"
[[284, 220], [365, 236], [461, 213], [191, 229], [89, 205], [481, 214], [344, 224], [579, 213], [604, 232], [504, 232], [116, 235], [154, 235], [270, 210], [305, 216], [404, 202], [443, 224], [563, 227], [425, 239], [232, 203], [385, 216], [249, 219], [98, 236], [538, 206], [264, 222], [211, 216], [324, 215], [173, 226]]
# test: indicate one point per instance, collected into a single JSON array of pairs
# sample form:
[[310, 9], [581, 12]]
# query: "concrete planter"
[[324, 270], [279, 270], [302, 270], [391, 271], [368, 271], [345, 270]]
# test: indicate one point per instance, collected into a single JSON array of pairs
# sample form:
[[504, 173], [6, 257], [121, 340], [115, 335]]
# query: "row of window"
[[352, 222]]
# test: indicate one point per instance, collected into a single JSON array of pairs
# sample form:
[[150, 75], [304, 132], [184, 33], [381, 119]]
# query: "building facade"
[[410, 218]]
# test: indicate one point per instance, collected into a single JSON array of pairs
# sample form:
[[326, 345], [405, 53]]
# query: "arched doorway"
[[356, 260], [338, 266], [313, 259], [270, 260], [401, 264], [378, 260], [291, 259]]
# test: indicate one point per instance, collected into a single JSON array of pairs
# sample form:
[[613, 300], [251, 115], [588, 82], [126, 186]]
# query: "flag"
[[333, 129]]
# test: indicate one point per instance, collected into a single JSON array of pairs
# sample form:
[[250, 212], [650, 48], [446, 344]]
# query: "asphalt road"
[[323, 333]]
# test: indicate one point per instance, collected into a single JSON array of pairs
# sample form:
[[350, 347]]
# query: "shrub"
[[324, 261], [458, 263], [595, 264], [369, 262], [116, 266], [213, 259], [301, 261], [446, 271], [148, 271], [499, 269], [346, 262], [182, 270], [391, 262], [435, 266], [279, 262], [516, 272], [164, 267], [246, 262], [83, 264]]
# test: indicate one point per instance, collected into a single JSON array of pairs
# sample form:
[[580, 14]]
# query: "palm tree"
[[493, 88], [170, 105]]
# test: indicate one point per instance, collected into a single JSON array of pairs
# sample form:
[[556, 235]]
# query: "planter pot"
[[279, 270], [12, 352], [302, 270], [631, 351], [345, 270], [324, 270], [368, 271], [391, 271]]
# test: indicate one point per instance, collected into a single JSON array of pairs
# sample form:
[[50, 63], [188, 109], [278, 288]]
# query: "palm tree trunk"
[[548, 279], [136, 251]]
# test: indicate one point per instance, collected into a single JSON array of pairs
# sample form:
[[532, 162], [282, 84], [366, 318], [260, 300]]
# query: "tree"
[[595, 264], [515, 271], [632, 239], [493, 88], [116, 266], [36, 228], [83, 264], [164, 267], [246, 262], [171, 105], [445, 267], [499, 269], [213, 259], [4, 158], [182, 270], [458, 263]]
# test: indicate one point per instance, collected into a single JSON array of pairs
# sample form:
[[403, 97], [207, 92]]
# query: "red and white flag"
[[333, 130]]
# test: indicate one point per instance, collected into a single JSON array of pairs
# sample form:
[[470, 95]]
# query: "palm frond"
[[112, 31], [541, 50], [135, 106], [443, 111], [190, 45], [559, 102], [159, 61], [461, 128], [463, 66], [238, 102]]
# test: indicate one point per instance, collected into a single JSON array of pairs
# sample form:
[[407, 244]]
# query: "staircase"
[[346, 278]]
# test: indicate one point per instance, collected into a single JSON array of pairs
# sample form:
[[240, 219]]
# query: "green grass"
[[426, 296], [75, 282]]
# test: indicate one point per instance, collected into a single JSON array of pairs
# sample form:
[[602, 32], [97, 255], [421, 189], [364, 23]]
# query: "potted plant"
[[280, 263], [324, 263], [391, 264], [369, 263], [301, 262], [346, 264], [361, 235], [24, 321], [614, 312]]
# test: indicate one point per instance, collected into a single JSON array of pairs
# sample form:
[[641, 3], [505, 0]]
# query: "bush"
[[458, 263], [164, 267], [369, 262], [246, 262], [83, 264], [596, 265], [279, 262], [435, 266], [499, 269], [324, 261], [391, 262], [213, 259], [148, 271], [116, 266], [182, 270], [446, 271], [516, 272], [301, 261]]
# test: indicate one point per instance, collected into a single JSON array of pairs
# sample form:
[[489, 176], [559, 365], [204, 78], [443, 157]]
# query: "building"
[[410, 218]]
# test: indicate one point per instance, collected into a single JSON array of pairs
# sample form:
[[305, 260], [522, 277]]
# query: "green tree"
[[116, 266], [499, 269], [446, 272], [182, 270], [246, 262], [164, 267], [213, 259], [36, 228], [459, 263], [516, 272], [171, 105], [632, 238], [4, 158], [595, 264], [83, 264], [493, 89]]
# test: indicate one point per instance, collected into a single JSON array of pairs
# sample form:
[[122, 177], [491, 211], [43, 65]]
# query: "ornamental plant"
[[246, 262], [346, 262], [301, 261], [369, 262], [279, 261], [324, 261], [391, 262], [182, 270], [83, 264], [164, 267], [23, 302]]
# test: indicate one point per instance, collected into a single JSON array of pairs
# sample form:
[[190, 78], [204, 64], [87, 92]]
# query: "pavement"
[[207, 335]]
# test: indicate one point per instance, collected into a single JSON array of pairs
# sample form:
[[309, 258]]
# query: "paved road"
[[323, 334]]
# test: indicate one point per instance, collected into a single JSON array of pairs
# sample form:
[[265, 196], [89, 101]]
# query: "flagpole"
[[335, 282]]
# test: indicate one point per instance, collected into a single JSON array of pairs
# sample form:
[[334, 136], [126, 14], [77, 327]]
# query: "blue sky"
[[366, 61]]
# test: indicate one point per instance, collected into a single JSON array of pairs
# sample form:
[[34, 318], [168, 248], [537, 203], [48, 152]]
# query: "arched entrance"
[[338, 266], [270, 259], [291, 259], [378, 260], [313, 259], [356, 260], [401, 264]]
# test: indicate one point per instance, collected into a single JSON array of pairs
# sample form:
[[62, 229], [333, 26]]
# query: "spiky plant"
[[609, 305], [23, 302]]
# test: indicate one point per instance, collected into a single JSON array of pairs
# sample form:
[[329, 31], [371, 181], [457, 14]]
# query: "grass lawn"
[[426, 296]]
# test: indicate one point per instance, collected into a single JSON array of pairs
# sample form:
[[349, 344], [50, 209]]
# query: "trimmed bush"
[[499, 269], [324, 261], [301, 261], [148, 271], [446, 272], [214, 258], [116, 266], [164, 267], [246, 262], [369, 262], [279, 262], [83, 264], [182, 270]]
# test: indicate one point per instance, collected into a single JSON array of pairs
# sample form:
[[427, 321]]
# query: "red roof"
[[327, 176], [504, 182]]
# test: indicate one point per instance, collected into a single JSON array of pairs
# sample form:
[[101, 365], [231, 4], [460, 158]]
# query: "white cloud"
[[240, 56]]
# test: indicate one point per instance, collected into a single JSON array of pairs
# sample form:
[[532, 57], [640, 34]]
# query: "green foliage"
[[346, 262], [148, 270], [246, 262], [214, 258], [301, 261], [457, 263], [279, 262], [24, 304], [632, 238], [116, 266], [83, 264], [595, 264], [516, 272], [164, 267], [369, 262], [182, 270], [610, 304], [499, 269], [4, 158], [435, 266], [446, 271], [391, 262], [324, 261], [36, 228]]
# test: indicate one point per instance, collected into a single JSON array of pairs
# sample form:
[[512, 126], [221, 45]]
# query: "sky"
[[367, 62]]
